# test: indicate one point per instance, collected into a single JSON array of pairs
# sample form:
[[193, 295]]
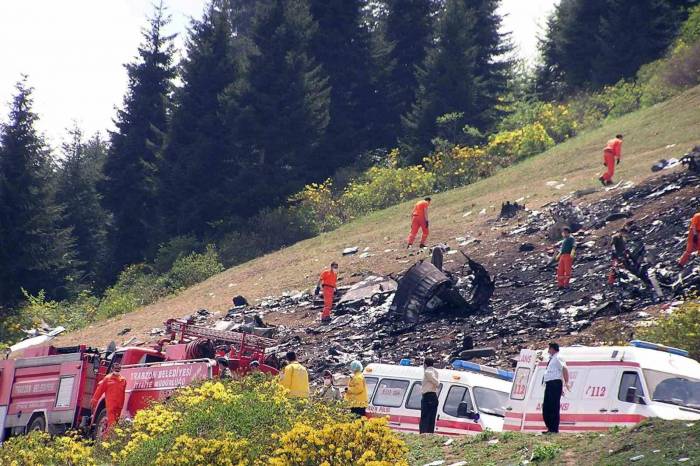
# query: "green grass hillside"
[[651, 443], [662, 131]]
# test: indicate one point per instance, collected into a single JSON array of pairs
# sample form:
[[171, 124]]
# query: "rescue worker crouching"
[[356, 393], [611, 157], [295, 377], [419, 221], [113, 386], [328, 282], [693, 244]]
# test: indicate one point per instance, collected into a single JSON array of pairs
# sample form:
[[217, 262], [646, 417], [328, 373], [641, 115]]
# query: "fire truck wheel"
[[37, 423], [101, 423]]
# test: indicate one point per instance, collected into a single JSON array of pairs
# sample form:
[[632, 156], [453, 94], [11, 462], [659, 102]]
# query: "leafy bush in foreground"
[[680, 329], [247, 422]]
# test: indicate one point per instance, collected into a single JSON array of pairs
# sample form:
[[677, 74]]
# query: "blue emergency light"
[[472, 367], [658, 347], [405, 362]]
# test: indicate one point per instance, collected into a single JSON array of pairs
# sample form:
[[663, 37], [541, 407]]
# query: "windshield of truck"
[[490, 401], [673, 389]]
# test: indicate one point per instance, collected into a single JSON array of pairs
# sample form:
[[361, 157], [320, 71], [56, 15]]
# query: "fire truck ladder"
[[243, 340]]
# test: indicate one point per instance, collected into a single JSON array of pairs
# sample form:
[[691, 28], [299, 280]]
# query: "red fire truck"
[[50, 388]]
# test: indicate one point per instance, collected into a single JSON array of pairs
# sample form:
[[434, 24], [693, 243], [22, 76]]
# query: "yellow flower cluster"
[[509, 146], [39, 449], [459, 166], [215, 391], [358, 443], [188, 451], [156, 420]]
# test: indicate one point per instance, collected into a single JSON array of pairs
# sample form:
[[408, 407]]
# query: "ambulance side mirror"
[[632, 397], [464, 411]]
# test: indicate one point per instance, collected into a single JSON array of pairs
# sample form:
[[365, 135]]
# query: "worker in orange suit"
[[566, 255], [328, 281], [693, 240], [611, 157], [419, 220], [113, 386]]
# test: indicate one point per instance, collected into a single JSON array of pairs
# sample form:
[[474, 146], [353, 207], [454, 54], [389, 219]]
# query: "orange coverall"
[[611, 155], [114, 387], [329, 281], [692, 246], [419, 221]]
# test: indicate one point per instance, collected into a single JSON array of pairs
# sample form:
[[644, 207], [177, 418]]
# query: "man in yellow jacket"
[[356, 394], [295, 377]]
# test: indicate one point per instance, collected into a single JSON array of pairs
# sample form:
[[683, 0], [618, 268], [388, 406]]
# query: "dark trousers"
[[359, 412], [551, 404], [428, 410]]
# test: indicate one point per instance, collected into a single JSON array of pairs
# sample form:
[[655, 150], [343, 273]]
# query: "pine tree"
[[283, 113], [341, 45], [463, 75], [197, 167], [570, 47], [407, 34], [129, 187], [77, 193], [35, 252], [630, 37]]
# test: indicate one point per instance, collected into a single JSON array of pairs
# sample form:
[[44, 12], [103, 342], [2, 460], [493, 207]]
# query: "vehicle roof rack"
[[658, 347]]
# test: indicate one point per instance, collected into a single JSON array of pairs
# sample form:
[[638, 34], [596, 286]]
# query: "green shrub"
[[192, 269], [545, 452], [137, 286], [174, 249], [236, 248], [320, 203], [507, 147], [383, 187], [458, 166], [680, 329], [72, 315], [690, 29]]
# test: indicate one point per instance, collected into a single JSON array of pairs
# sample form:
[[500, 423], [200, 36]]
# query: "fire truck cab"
[[610, 386], [471, 397]]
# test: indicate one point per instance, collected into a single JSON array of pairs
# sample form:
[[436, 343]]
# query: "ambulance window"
[[455, 396], [491, 401], [413, 401], [370, 383], [390, 393], [520, 381], [629, 380]]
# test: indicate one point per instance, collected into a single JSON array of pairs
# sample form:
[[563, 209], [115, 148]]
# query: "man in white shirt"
[[554, 378], [429, 399]]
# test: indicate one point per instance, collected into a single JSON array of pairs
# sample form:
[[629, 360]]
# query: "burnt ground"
[[526, 309]]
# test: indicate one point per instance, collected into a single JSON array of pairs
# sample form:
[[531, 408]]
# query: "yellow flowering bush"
[[507, 147], [40, 449], [458, 166], [189, 451], [360, 442], [381, 187], [318, 200]]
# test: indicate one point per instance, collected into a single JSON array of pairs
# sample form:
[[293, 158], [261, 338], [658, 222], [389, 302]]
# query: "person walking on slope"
[[429, 398], [554, 375], [419, 220], [356, 394], [611, 157], [328, 281], [693, 244], [295, 377], [566, 255], [113, 386]]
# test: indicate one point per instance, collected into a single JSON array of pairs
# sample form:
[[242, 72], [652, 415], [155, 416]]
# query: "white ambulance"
[[610, 386], [471, 398]]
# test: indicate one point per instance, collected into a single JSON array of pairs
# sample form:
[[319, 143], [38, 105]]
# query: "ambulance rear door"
[[522, 384], [594, 391]]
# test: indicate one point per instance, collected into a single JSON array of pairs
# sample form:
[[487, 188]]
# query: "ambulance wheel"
[[37, 423], [101, 424]]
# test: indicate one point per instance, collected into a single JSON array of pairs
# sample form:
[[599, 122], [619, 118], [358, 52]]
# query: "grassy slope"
[[578, 161], [661, 442]]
